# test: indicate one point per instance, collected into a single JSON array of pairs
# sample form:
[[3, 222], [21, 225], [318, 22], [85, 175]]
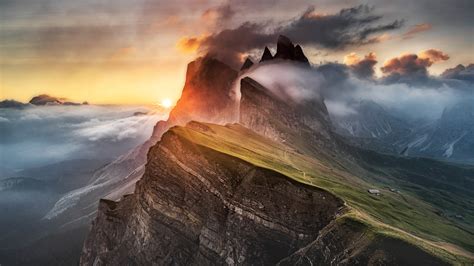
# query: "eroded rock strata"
[[198, 206]]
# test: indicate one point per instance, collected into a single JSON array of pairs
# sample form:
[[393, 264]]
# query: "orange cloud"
[[190, 44], [351, 59], [413, 63], [434, 55], [417, 29], [363, 68]]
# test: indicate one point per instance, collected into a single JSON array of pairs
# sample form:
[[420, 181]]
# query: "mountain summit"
[[286, 50]]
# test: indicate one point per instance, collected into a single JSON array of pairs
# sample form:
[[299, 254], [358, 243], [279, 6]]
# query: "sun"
[[166, 103]]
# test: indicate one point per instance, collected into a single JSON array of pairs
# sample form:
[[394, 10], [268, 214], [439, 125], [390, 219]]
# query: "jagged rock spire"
[[267, 55], [247, 64], [299, 55], [287, 50]]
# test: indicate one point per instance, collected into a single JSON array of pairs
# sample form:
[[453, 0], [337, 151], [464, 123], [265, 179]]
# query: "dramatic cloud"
[[230, 45], [287, 80], [406, 64], [349, 27], [412, 68], [190, 45], [343, 90], [433, 55], [38, 135], [363, 68], [416, 29]]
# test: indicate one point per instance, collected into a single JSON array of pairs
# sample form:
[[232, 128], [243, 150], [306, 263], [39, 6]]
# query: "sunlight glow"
[[166, 103]]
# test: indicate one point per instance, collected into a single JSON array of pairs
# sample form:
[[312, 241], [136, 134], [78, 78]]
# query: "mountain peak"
[[267, 55], [279, 118], [299, 55], [12, 104], [45, 99], [247, 64], [206, 96], [286, 50]]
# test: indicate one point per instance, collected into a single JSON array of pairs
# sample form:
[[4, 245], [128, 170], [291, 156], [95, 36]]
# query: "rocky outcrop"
[[198, 206], [281, 120], [288, 51], [267, 55], [349, 242], [247, 64], [207, 96]]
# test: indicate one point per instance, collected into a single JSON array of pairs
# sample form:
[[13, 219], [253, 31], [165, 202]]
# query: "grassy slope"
[[400, 215]]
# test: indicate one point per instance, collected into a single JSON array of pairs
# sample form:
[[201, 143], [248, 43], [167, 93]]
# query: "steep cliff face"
[[348, 242], [283, 120], [207, 96], [197, 206]]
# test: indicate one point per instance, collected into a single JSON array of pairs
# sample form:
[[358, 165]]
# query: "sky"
[[136, 51]]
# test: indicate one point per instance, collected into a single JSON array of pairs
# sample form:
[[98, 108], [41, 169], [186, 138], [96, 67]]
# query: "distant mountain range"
[[39, 100], [450, 138]]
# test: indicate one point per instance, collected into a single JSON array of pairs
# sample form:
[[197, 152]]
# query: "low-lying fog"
[[342, 90], [36, 136]]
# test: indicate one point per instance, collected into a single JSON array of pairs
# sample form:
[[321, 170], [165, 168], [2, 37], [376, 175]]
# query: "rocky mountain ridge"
[[205, 201], [285, 50], [447, 138], [196, 205], [40, 100], [208, 209]]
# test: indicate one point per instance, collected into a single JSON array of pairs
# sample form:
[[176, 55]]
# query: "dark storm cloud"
[[229, 45], [349, 27]]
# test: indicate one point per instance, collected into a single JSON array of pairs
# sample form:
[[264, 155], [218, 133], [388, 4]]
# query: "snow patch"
[[450, 146]]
